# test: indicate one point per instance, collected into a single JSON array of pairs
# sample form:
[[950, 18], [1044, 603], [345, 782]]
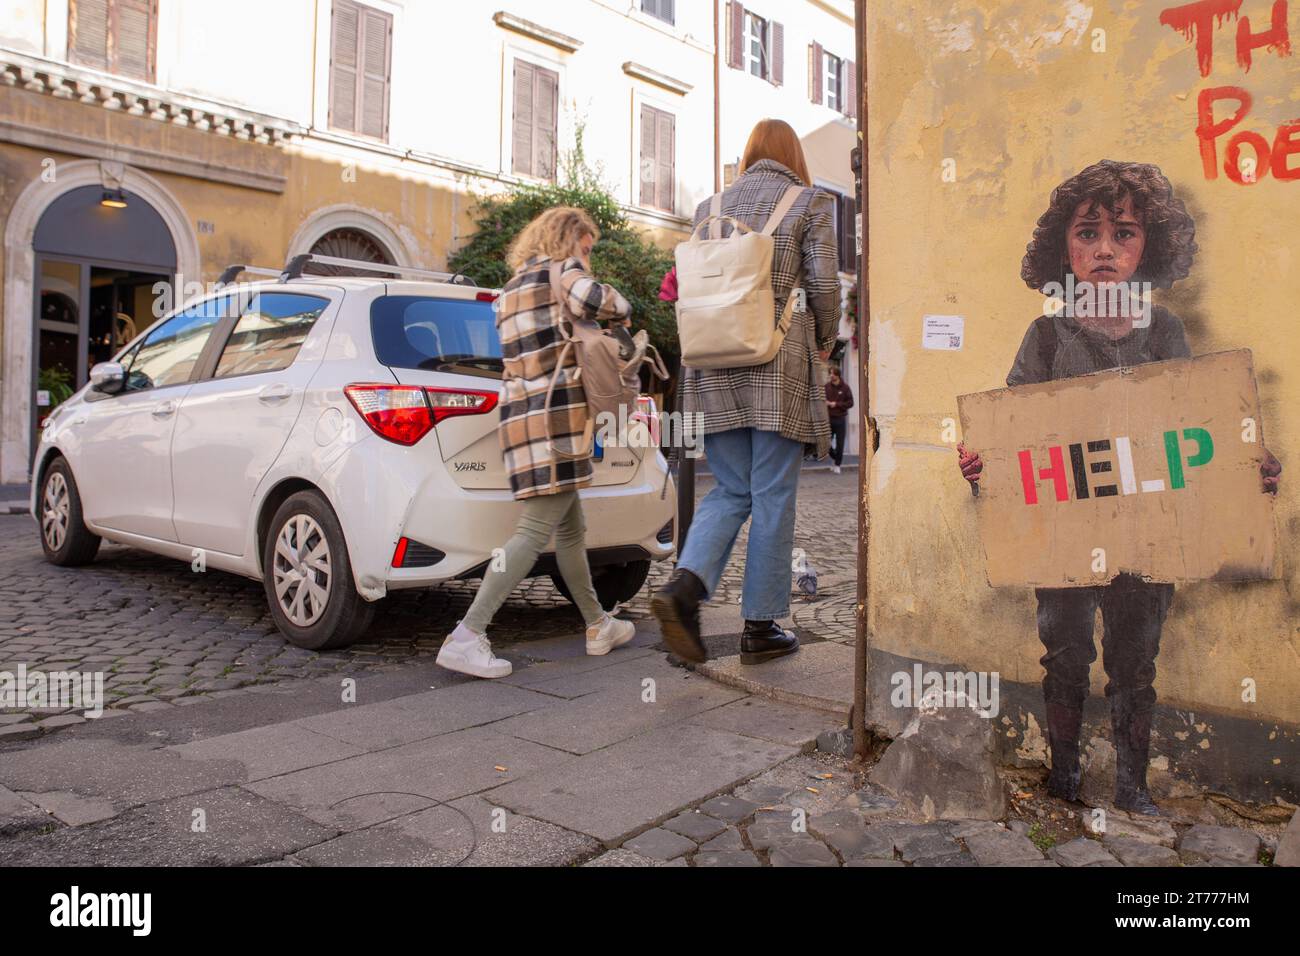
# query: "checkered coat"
[[528, 320], [786, 395]]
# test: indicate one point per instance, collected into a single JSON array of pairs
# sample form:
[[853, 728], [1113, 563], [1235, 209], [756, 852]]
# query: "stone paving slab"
[[576, 678], [374, 787], [72, 809], [466, 832], [769, 720], [125, 775], [404, 720], [618, 712], [814, 677], [612, 793], [239, 828], [269, 751]]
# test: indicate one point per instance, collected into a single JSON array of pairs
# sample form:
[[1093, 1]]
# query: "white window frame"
[[763, 37], [833, 80]]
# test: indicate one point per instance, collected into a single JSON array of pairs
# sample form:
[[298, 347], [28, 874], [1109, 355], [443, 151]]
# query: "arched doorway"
[[105, 248], [99, 255], [348, 243]]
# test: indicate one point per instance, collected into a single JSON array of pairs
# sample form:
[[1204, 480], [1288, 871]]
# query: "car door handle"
[[164, 409], [274, 393]]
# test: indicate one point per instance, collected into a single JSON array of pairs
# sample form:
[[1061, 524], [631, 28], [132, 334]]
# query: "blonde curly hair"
[[554, 234]]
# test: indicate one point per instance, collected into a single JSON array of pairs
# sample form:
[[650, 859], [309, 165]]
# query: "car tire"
[[614, 583], [65, 539], [312, 596]]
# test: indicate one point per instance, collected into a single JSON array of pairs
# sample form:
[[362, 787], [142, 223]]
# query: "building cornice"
[[672, 84], [117, 93], [508, 21]]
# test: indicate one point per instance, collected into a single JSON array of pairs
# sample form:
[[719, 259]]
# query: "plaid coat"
[[786, 395], [528, 320]]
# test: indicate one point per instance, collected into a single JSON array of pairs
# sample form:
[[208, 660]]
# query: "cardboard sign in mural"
[[1151, 470]]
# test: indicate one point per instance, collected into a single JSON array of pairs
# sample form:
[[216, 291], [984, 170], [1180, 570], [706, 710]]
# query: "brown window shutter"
[[849, 91], [665, 172], [132, 38], [777, 51], [816, 82], [525, 77], [648, 169], [545, 122], [376, 67], [736, 30], [88, 33], [344, 67]]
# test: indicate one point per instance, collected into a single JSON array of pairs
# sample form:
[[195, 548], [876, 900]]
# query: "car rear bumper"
[[384, 492]]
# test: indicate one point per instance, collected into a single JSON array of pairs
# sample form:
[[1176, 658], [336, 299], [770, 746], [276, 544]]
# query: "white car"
[[334, 437]]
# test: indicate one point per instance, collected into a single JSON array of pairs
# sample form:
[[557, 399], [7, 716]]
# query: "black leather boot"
[[676, 605], [1063, 723], [765, 641], [1131, 728]]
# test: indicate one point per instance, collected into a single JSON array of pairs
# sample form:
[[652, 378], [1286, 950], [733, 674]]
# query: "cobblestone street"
[[168, 636]]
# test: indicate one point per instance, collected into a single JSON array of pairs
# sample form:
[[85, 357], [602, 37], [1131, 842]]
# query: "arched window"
[[348, 243]]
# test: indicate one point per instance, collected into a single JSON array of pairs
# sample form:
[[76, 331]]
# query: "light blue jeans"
[[757, 473]]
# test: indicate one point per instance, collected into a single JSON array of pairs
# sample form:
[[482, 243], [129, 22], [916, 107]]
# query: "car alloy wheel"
[[55, 508], [302, 570]]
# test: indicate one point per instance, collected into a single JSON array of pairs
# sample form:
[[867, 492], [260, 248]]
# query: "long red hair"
[[776, 139]]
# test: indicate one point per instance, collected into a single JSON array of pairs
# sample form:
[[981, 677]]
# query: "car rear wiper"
[[439, 363]]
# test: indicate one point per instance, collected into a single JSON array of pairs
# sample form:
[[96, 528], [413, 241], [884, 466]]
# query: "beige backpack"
[[725, 300], [608, 380]]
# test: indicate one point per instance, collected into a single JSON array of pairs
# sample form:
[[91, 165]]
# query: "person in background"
[[528, 321], [758, 420], [839, 399], [1112, 223]]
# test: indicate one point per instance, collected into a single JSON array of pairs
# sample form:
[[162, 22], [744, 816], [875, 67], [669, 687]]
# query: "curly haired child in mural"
[[1110, 234]]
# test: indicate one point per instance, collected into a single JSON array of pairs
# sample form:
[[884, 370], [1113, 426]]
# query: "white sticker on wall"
[[942, 332], [42, 398]]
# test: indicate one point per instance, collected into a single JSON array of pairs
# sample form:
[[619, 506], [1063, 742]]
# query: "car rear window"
[[421, 332]]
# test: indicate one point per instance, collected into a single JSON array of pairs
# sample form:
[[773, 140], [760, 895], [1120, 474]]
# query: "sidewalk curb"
[[718, 670]]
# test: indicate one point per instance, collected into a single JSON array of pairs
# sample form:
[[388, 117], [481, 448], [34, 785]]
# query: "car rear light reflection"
[[447, 402], [406, 413]]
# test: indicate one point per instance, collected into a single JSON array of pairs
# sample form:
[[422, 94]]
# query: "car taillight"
[[447, 402], [398, 413], [406, 413]]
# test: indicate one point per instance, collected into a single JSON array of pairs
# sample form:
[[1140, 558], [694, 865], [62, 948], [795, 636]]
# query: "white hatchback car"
[[334, 437]]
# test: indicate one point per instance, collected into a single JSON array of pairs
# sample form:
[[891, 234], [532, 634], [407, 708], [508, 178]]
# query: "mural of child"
[[1110, 234]]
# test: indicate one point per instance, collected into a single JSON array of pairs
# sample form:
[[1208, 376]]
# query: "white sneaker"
[[610, 633], [472, 656], [835, 469]]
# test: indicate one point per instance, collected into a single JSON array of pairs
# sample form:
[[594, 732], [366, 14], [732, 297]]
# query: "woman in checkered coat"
[[759, 419], [528, 322]]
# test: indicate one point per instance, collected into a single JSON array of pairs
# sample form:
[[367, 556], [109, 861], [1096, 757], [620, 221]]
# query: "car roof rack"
[[293, 269], [231, 272]]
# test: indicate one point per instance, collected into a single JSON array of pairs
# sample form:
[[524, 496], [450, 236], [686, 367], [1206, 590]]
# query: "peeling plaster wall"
[[1019, 98]]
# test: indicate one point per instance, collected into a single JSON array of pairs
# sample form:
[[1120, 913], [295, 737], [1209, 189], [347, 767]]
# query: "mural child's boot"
[[1131, 728], [1063, 723]]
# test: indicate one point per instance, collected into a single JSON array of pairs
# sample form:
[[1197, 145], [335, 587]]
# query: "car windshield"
[[436, 335]]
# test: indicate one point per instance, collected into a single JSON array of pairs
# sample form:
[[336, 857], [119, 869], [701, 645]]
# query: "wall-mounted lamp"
[[113, 199]]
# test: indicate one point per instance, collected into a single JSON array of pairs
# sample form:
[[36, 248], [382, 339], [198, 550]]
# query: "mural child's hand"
[[969, 462], [1271, 470]]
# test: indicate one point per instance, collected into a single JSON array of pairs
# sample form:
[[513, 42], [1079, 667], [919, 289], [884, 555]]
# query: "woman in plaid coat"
[[547, 466], [758, 419]]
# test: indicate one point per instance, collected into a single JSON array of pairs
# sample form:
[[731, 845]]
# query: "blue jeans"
[[757, 474]]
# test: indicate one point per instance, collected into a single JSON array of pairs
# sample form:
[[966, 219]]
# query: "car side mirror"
[[108, 378]]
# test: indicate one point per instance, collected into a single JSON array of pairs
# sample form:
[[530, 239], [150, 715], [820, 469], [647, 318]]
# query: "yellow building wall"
[[1018, 97]]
